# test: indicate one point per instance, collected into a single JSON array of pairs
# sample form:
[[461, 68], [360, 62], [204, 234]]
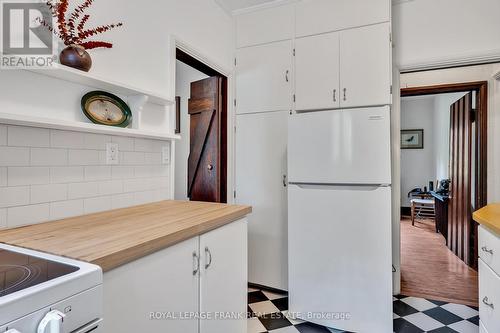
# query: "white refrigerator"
[[339, 218]]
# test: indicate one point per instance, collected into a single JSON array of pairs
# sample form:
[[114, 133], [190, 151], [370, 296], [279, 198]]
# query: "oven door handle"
[[89, 327]]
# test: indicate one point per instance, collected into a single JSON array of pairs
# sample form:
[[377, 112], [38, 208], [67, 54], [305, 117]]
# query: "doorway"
[[443, 180], [201, 120]]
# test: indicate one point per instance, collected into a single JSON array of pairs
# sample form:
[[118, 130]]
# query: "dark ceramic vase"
[[75, 56]]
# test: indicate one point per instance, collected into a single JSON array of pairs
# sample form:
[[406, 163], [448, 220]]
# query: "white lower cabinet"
[[489, 281], [172, 290]]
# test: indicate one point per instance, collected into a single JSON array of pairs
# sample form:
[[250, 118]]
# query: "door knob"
[[210, 167]]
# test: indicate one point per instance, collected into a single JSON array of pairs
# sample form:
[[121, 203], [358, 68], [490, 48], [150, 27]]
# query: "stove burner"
[[19, 271]]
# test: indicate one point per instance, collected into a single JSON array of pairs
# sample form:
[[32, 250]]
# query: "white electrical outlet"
[[112, 153], [165, 154]]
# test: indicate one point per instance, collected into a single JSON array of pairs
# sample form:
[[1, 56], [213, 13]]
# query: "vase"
[[76, 56]]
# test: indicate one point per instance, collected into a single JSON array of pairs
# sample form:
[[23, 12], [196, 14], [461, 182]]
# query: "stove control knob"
[[52, 322]]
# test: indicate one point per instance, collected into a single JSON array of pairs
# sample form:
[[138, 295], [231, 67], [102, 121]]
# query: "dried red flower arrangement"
[[71, 29]]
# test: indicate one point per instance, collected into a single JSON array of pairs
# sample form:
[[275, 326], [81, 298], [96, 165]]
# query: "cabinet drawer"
[[489, 298], [482, 329], [489, 249]]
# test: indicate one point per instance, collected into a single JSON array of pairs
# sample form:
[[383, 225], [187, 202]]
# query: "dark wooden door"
[[205, 163], [460, 221]]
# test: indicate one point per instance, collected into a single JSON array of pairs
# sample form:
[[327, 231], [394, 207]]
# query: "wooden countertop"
[[113, 238], [489, 216]]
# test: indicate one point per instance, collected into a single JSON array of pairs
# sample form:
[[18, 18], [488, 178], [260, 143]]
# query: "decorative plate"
[[106, 109]]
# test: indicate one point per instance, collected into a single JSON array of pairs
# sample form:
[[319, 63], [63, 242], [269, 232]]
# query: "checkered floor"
[[268, 313]]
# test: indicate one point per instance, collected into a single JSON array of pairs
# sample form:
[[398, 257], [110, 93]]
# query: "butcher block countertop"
[[489, 216], [113, 238]]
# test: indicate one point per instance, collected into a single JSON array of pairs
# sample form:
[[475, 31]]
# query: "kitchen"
[[303, 77]]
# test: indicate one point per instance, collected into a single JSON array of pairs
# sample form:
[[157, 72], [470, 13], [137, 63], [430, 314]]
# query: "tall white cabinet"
[[305, 56]]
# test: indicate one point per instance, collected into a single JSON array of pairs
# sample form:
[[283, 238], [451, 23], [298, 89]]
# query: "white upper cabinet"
[[264, 78], [320, 16], [265, 26], [317, 72], [365, 66]]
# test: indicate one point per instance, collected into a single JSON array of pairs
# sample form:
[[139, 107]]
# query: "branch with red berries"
[[71, 28]]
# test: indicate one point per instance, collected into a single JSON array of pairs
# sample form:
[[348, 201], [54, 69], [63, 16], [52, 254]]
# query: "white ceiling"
[[232, 5]]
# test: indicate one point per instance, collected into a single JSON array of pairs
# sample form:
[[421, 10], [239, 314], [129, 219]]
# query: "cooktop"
[[19, 271]]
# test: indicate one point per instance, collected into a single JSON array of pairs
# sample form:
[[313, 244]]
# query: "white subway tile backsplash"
[[110, 187], [3, 218], [3, 176], [64, 209], [133, 158], [122, 172], [93, 173], [48, 193], [83, 190], [66, 139], [66, 174], [50, 174], [96, 141], [3, 135], [83, 157], [14, 156], [18, 176], [14, 196], [18, 216], [95, 205], [124, 143], [49, 156], [21, 136], [122, 200]]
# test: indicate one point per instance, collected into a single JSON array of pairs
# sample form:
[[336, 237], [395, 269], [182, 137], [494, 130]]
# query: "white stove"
[[42, 293]]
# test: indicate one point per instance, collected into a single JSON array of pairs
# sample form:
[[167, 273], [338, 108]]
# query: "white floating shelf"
[[66, 73], [23, 120]]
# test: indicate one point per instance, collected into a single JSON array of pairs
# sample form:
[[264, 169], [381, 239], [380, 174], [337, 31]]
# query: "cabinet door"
[[161, 282], [320, 16], [223, 279], [264, 78], [365, 66], [317, 72], [261, 141]]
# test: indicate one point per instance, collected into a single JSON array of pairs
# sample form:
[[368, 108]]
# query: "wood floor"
[[430, 270]]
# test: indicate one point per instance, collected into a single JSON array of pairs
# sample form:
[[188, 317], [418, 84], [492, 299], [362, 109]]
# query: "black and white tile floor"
[[268, 312]]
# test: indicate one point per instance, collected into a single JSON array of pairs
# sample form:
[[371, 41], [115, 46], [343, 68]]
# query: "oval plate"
[[106, 109]]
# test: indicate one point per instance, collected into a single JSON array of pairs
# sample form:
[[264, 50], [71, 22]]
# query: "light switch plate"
[[112, 153], [165, 154]]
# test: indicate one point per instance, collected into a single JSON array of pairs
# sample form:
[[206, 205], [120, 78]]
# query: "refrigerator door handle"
[[352, 187]]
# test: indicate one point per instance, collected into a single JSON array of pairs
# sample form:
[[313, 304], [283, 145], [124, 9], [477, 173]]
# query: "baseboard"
[[266, 288]]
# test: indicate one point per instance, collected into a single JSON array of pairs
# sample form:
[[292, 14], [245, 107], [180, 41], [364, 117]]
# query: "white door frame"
[[177, 43]]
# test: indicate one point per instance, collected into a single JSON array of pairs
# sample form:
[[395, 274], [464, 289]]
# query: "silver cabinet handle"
[[345, 94], [485, 301], [284, 181], [485, 249], [209, 255], [286, 75], [334, 95], [196, 263]]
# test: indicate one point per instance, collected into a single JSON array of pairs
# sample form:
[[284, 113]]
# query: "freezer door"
[[340, 146], [340, 272]]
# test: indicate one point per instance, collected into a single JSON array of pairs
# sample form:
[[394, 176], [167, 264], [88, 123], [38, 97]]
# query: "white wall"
[[429, 32], [470, 74], [184, 76], [417, 165], [50, 174]]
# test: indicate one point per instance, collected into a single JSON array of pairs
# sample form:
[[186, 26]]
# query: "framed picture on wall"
[[177, 114], [412, 139]]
